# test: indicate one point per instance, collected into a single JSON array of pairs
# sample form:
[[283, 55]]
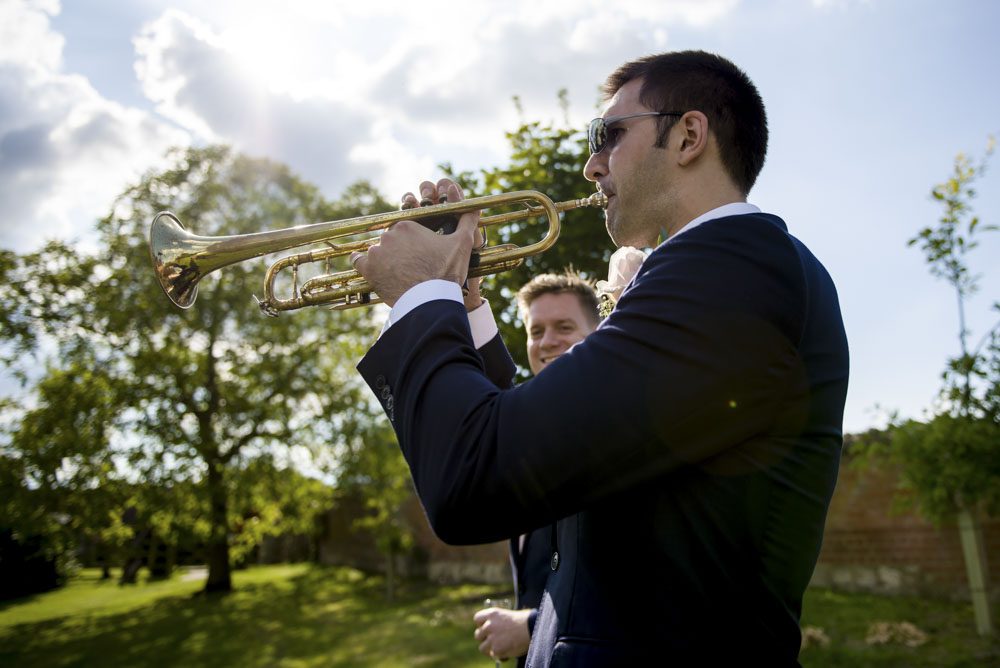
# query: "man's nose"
[[596, 166]]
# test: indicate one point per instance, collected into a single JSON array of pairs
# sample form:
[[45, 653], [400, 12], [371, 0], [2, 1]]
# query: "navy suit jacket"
[[688, 449], [531, 565], [530, 562]]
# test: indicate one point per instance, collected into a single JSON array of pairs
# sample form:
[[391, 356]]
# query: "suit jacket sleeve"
[[699, 356], [497, 362]]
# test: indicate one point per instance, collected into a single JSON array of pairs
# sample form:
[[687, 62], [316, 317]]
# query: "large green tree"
[[165, 396]]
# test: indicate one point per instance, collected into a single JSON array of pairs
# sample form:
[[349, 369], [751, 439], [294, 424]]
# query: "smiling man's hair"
[[568, 282]]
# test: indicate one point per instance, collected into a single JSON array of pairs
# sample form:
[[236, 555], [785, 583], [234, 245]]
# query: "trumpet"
[[181, 259]]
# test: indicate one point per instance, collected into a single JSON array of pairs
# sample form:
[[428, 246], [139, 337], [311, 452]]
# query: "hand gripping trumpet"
[[181, 259]]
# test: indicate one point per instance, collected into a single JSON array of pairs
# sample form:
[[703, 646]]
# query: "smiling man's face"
[[556, 321]]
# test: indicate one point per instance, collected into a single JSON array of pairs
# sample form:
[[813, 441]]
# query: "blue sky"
[[869, 102]]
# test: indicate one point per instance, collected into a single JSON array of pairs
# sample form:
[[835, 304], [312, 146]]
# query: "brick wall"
[[871, 545], [341, 544], [454, 563], [868, 545]]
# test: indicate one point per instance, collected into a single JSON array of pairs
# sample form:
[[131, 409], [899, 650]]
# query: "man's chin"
[[619, 238], [611, 225], [633, 238]]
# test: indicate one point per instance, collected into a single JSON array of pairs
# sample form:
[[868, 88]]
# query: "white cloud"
[[65, 151], [25, 39], [379, 90], [196, 79], [371, 90], [404, 168]]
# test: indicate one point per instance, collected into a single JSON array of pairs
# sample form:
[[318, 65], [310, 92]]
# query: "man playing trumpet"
[[689, 447]]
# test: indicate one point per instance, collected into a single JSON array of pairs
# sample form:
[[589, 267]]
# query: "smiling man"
[[558, 312], [688, 447]]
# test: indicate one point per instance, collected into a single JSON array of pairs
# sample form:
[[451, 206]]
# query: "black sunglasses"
[[597, 131]]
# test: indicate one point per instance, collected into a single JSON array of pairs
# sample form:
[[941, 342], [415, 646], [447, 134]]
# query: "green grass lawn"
[[304, 615], [296, 615], [949, 628]]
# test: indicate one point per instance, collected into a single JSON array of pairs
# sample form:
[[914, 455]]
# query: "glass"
[[597, 131]]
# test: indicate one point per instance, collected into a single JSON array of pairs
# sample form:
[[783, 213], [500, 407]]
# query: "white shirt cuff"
[[483, 324], [420, 294], [481, 320]]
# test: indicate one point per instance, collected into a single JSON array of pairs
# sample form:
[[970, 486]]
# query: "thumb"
[[468, 223], [467, 226]]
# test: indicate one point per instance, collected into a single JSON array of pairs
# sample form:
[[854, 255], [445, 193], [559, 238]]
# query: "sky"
[[869, 102]]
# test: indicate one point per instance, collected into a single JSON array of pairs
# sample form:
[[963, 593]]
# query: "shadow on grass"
[[324, 616], [21, 600]]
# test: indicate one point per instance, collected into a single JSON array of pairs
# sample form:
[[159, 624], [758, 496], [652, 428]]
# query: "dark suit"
[[689, 449], [530, 558], [530, 564]]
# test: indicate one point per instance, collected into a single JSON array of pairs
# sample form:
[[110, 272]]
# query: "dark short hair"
[[567, 282], [701, 81]]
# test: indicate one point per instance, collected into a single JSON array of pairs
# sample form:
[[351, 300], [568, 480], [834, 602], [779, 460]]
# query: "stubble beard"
[[623, 233], [617, 223]]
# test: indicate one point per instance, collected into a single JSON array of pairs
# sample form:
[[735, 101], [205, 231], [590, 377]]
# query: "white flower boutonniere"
[[624, 264]]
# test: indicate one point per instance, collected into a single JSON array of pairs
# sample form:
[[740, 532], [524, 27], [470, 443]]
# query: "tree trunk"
[[974, 552], [134, 561], [390, 575], [219, 577], [157, 562], [102, 561]]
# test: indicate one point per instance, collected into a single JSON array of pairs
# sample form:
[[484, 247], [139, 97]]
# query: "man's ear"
[[693, 127]]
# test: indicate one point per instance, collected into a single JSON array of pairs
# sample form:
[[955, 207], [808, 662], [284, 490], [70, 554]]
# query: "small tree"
[[946, 247], [950, 465]]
